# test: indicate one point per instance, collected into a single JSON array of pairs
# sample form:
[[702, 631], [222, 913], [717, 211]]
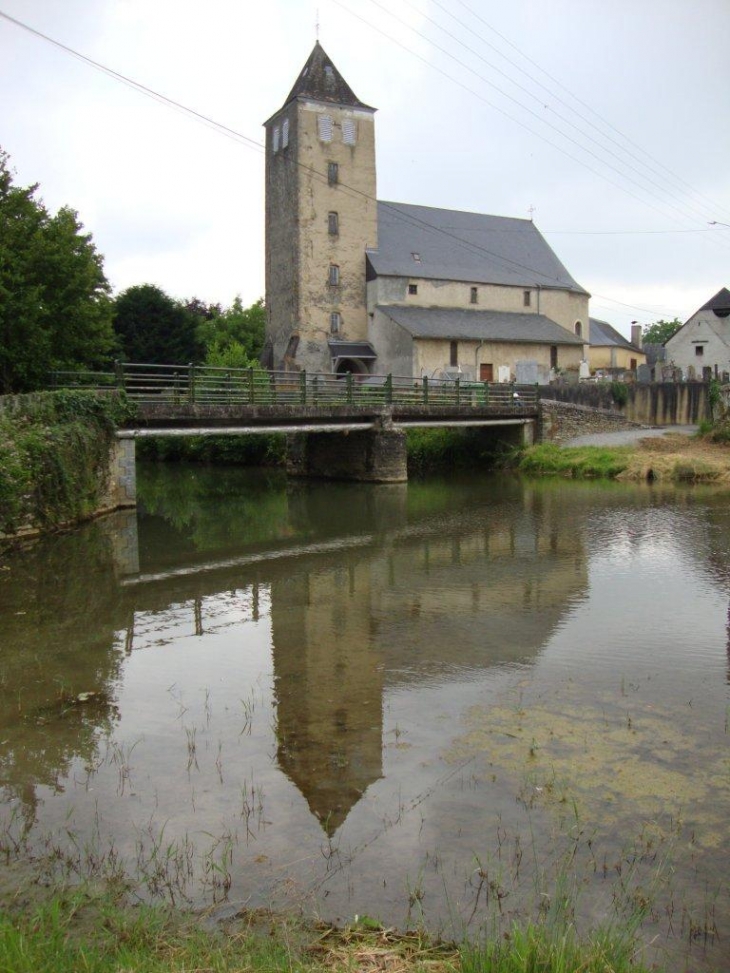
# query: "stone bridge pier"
[[376, 455]]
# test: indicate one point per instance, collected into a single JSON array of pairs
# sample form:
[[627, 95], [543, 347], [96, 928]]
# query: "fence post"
[[251, 394], [458, 389], [303, 387], [425, 389], [315, 388], [191, 382], [118, 374], [176, 388], [389, 389], [486, 393], [348, 386]]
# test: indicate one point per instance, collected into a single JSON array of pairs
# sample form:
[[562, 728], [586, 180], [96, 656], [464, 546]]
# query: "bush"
[[54, 457]]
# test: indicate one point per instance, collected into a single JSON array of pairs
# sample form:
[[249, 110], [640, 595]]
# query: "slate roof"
[[461, 323], [319, 80], [455, 245], [601, 333], [719, 303]]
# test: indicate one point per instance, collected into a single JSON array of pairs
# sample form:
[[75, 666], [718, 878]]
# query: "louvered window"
[[334, 274], [324, 125], [333, 173], [275, 138], [349, 131], [285, 133], [333, 224], [335, 322]]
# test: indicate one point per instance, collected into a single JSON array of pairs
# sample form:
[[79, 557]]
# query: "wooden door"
[[486, 372]]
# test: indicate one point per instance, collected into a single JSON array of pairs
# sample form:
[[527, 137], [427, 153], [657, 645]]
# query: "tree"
[[234, 335], [55, 310], [660, 332], [154, 328]]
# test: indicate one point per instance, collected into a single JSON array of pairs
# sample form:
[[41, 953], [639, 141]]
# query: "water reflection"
[[350, 647]]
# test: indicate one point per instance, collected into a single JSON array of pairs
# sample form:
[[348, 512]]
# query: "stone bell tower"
[[320, 217]]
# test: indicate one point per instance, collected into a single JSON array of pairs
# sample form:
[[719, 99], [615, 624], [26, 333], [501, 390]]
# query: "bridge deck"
[[170, 397]]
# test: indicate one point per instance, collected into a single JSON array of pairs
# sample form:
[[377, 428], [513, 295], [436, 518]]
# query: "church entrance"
[[351, 366]]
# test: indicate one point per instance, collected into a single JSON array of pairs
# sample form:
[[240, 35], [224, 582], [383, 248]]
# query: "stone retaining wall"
[[657, 404], [561, 421]]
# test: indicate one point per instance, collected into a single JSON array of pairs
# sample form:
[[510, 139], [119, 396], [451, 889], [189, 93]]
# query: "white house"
[[701, 347]]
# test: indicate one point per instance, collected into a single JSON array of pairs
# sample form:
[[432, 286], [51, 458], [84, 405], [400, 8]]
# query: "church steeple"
[[319, 80], [321, 217]]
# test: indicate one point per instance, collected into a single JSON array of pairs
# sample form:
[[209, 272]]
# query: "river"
[[453, 702]]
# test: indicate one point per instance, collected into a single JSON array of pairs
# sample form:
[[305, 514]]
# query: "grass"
[[99, 931], [582, 462], [671, 458]]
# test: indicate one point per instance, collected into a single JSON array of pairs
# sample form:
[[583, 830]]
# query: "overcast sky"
[[611, 120]]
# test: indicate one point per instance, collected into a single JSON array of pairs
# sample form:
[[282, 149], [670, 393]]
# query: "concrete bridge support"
[[122, 489], [375, 455]]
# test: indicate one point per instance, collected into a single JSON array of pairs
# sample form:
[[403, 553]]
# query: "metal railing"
[[207, 385]]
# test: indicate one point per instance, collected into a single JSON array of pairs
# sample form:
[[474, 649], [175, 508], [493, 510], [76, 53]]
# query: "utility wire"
[[524, 107], [541, 100], [321, 176], [626, 138]]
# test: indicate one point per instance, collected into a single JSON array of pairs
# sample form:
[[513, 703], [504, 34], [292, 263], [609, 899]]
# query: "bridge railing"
[[208, 385]]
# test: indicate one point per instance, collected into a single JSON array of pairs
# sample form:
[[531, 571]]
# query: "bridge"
[[371, 413]]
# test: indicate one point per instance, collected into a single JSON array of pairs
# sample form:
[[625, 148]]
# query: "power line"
[[258, 146], [605, 121], [541, 101], [521, 105]]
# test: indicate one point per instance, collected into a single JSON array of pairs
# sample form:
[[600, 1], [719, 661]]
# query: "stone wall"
[[562, 421], [655, 404]]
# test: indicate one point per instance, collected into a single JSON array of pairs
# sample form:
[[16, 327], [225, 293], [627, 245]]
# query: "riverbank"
[[672, 457], [55, 450], [100, 931]]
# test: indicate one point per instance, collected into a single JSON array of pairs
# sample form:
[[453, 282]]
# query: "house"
[[701, 347], [358, 285], [610, 351]]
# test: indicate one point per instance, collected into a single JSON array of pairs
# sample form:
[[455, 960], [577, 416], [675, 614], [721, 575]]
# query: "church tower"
[[321, 215]]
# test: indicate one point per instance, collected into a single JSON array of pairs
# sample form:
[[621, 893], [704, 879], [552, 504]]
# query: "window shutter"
[[276, 138], [349, 131], [324, 124], [285, 133]]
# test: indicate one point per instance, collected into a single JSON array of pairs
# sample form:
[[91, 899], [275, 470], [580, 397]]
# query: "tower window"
[[334, 274], [413, 288], [285, 133], [333, 224], [526, 298], [578, 329], [333, 173], [335, 322], [324, 126], [699, 350], [349, 131], [453, 353], [474, 295], [275, 138]]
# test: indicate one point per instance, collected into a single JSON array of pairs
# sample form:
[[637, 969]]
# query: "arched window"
[[579, 329]]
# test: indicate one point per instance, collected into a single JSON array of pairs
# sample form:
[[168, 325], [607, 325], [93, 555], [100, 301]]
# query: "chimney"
[[636, 334]]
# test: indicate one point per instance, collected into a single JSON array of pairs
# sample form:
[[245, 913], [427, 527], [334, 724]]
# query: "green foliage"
[[542, 948], [55, 310], [153, 328], [620, 393], [234, 338], [54, 457], [549, 459], [443, 448], [660, 332], [259, 450]]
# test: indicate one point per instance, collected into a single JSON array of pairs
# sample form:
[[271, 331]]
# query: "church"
[[356, 284]]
